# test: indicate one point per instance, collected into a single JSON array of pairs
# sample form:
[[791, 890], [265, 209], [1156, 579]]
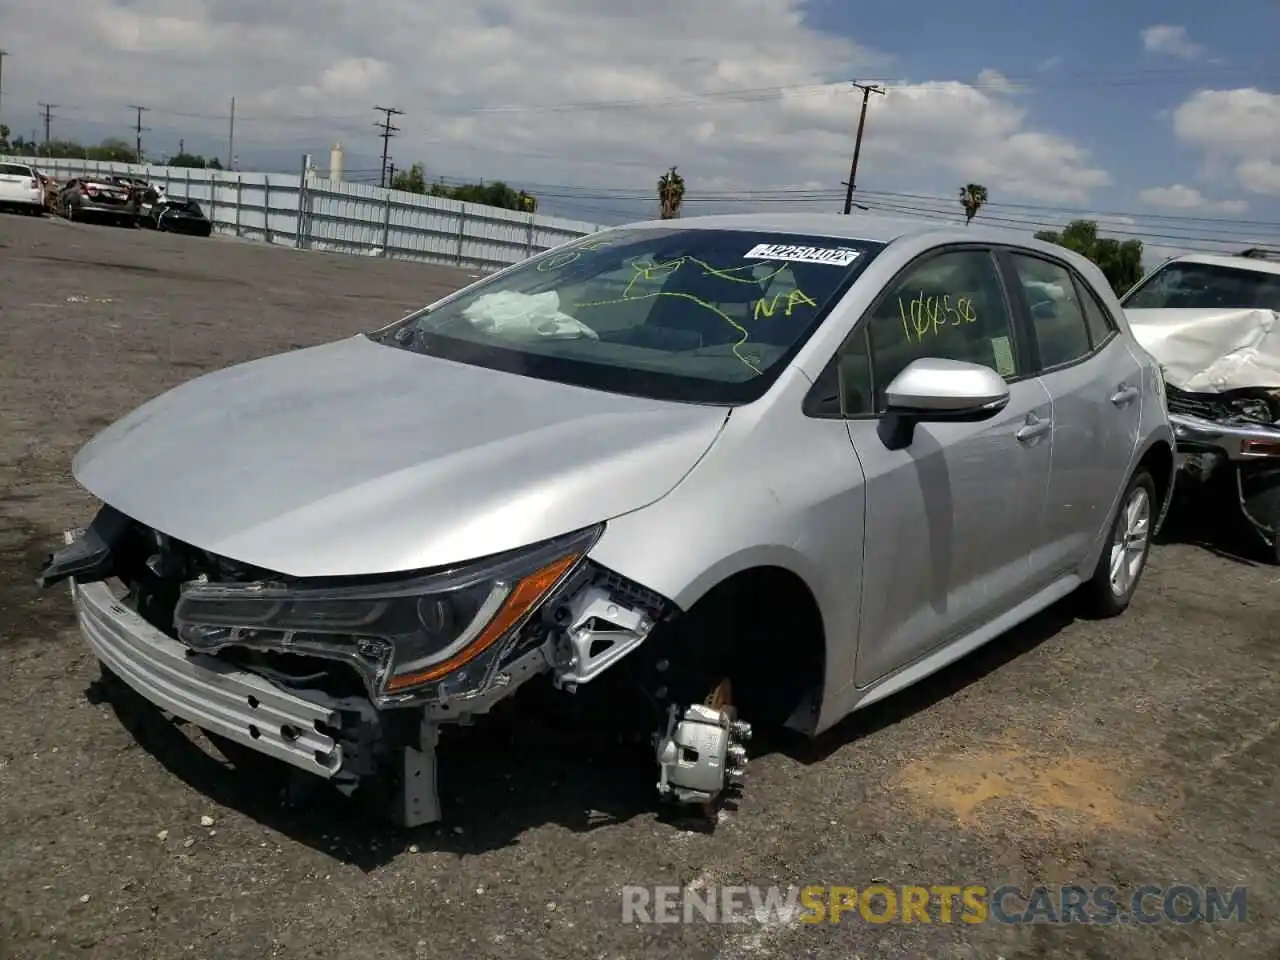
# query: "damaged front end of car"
[[1233, 439], [1221, 370], [351, 679]]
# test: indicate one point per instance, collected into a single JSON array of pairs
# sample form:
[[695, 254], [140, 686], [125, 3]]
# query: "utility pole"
[[3, 54], [387, 131], [48, 119], [231, 135], [867, 90], [138, 128]]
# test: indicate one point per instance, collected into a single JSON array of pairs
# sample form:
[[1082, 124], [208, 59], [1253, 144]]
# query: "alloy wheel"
[[1129, 543]]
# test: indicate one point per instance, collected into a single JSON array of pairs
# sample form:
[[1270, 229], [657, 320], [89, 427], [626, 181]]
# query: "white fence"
[[312, 213]]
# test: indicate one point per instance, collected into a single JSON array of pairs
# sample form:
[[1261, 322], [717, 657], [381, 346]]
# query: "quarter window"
[[950, 306], [1101, 325], [1056, 312]]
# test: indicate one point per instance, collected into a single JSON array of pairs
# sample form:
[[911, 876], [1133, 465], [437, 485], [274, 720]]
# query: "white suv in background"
[[20, 187]]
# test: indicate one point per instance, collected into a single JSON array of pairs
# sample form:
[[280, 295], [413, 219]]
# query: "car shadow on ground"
[[1214, 523], [923, 694], [514, 771], [498, 779], [525, 767]]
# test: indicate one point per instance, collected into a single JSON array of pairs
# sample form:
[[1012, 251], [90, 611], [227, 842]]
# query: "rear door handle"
[[1034, 427], [1124, 394]]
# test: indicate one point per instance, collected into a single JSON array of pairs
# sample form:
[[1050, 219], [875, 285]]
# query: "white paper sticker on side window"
[[830, 256], [1002, 353]]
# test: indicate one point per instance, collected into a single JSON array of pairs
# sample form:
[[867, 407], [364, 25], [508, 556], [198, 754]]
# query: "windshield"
[[15, 170], [708, 316], [190, 206], [1187, 285]]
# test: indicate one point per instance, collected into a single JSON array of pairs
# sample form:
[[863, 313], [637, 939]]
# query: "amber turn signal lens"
[[528, 593]]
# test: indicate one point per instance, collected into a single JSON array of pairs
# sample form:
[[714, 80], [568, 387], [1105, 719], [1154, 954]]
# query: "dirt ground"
[[1136, 751]]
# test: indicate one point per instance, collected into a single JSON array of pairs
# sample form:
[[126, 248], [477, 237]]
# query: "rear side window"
[[1056, 312], [1101, 324], [15, 170]]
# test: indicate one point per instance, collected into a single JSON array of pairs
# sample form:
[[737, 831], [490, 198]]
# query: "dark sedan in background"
[[106, 198]]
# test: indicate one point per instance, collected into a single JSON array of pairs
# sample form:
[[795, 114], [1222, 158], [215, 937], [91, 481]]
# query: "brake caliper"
[[702, 750]]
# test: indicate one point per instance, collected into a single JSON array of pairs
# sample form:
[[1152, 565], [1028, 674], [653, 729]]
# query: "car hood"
[[359, 458], [1211, 350]]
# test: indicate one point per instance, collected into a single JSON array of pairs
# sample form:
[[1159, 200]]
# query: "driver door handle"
[[1034, 427], [1124, 394]]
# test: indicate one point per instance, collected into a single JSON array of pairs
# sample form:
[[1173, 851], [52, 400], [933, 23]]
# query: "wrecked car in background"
[[1213, 323], [736, 471], [99, 198]]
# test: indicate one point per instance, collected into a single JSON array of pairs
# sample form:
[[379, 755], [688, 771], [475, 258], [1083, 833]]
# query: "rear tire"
[[1124, 557]]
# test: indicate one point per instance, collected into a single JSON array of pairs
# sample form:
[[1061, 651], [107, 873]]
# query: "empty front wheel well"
[[1158, 461], [763, 628]]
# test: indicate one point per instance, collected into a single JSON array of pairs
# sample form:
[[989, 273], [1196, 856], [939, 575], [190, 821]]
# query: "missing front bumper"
[[233, 703]]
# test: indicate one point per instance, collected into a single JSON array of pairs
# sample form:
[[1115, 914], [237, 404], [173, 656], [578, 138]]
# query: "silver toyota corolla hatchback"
[[751, 469]]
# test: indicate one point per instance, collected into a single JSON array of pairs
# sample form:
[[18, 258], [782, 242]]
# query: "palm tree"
[[973, 197], [670, 194]]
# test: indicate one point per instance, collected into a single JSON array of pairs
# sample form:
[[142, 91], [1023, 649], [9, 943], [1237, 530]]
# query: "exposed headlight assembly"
[[405, 635]]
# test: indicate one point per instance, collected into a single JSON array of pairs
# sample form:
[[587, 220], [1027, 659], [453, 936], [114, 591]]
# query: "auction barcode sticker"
[[831, 256]]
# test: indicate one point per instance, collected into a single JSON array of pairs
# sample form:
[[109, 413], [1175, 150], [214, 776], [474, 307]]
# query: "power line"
[[1086, 212], [792, 193], [387, 132], [867, 90], [1167, 232], [138, 128], [1130, 232]]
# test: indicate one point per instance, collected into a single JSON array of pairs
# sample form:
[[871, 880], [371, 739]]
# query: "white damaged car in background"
[[734, 472], [1213, 324]]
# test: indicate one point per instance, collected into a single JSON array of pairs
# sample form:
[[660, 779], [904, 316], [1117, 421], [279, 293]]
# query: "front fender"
[[776, 489]]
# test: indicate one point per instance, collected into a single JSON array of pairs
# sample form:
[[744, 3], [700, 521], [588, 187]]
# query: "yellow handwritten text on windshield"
[[561, 260], [647, 272], [925, 316], [765, 306]]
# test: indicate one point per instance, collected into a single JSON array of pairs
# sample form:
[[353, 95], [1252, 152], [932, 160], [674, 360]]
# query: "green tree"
[[495, 194], [1119, 260], [670, 194], [192, 160], [112, 150], [973, 197], [4, 138], [413, 180]]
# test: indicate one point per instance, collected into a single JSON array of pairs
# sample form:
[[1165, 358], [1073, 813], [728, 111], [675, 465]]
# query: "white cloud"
[[1181, 197], [996, 82], [1050, 64], [1171, 41], [1260, 176], [1239, 131], [485, 91]]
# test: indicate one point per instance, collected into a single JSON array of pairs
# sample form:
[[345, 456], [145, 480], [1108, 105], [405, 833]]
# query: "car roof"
[[1222, 260], [857, 226]]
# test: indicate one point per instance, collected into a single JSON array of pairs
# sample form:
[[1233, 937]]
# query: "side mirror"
[[934, 389]]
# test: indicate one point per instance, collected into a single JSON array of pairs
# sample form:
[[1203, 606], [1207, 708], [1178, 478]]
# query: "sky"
[[1160, 120]]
